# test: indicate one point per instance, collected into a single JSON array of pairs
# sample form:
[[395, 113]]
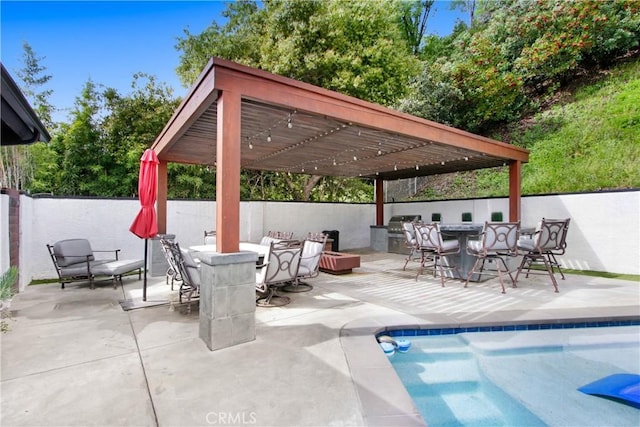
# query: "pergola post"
[[379, 187], [228, 152], [515, 190], [161, 200], [227, 276]]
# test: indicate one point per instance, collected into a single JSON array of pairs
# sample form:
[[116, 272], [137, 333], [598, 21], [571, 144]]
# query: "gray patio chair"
[[549, 240], [188, 272], [309, 267], [75, 260], [434, 250], [498, 240], [280, 267], [411, 243]]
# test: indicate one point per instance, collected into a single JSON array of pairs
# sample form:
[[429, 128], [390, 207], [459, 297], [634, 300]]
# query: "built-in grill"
[[395, 233]]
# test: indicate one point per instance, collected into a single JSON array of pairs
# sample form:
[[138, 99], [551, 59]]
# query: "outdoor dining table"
[[261, 250], [464, 261]]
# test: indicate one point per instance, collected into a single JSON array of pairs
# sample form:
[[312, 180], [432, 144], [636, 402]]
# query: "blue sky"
[[109, 41]]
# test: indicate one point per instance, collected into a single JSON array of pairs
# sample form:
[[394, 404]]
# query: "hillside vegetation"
[[589, 140], [496, 77]]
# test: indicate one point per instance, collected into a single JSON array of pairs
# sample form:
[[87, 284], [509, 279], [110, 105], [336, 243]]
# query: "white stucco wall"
[[4, 233], [604, 234]]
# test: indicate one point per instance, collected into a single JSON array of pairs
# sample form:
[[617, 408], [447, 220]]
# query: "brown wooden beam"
[[228, 172], [161, 200], [515, 190], [379, 201], [282, 91]]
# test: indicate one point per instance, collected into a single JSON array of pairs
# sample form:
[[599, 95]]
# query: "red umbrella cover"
[[145, 225]]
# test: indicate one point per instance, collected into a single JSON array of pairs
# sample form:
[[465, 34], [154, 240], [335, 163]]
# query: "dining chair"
[[411, 243], [280, 267], [173, 272], [188, 271], [549, 240], [283, 235], [309, 267], [498, 240], [434, 250], [210, 237]]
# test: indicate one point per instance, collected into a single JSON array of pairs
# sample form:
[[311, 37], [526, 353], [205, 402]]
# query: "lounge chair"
[[75, 261]]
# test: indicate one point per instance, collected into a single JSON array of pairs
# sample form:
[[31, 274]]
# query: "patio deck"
[[74, 357]]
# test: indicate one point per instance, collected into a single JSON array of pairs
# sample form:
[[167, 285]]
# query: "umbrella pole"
[[144, 284]]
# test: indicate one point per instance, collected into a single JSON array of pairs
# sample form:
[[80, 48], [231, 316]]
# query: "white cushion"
[[474, 246]]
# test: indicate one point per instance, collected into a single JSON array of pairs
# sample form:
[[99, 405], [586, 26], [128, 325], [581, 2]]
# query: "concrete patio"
[[75, 357]]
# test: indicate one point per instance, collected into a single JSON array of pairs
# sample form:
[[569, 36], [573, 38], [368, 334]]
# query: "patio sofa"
[[75, 261]]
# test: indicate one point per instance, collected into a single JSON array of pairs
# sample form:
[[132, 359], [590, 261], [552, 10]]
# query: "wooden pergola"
[[237, 117]]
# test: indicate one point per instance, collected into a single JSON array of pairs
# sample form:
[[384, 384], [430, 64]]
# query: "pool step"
[[465, 407], [435, 386]]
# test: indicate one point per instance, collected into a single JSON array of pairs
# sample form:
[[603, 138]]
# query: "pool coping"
[[383, 399]]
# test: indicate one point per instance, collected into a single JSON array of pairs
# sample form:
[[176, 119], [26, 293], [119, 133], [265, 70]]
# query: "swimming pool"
[[518, 377]]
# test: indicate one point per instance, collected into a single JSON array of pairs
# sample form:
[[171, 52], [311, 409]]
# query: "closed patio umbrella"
[[145, 225]]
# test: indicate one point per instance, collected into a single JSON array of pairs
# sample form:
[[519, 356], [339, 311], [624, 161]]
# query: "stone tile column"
[[227, 298]]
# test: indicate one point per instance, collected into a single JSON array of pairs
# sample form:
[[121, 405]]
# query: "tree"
[[468, 6], [129, 127], [82, 156], [238, 40], [414, 16], [17, 162], [355, 47], [33, 81]]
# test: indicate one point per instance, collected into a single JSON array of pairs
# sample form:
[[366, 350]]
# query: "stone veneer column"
[[227, 298]]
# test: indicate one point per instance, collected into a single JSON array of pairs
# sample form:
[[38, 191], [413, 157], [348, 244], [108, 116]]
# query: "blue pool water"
[[519, 378]]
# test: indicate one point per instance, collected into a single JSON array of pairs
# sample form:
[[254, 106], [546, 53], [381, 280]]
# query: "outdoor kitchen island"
[[462, 232], [396, 243]]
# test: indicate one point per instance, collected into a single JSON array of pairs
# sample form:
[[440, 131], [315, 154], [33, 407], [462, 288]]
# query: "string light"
[[289, 124], [269, 136]]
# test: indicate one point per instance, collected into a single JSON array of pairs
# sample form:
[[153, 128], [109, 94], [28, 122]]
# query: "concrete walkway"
[[74, 357]]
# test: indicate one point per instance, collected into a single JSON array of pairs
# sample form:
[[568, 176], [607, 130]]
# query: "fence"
[[604, 234]]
